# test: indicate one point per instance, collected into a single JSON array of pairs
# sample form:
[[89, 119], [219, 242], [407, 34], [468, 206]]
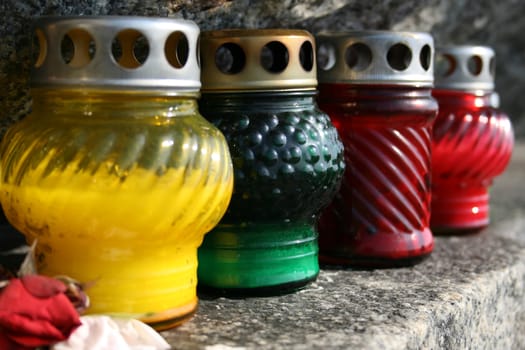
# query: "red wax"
[[472, 144], [380, 217]]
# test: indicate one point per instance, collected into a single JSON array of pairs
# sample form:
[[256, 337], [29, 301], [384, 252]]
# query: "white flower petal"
[[104, 332]]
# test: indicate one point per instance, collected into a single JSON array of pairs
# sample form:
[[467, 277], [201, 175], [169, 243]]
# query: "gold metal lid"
[[375, 57], [257, 60], [110, 52], [465, 67]]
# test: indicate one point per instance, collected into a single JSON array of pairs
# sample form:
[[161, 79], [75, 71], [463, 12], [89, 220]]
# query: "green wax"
[[259, 255]]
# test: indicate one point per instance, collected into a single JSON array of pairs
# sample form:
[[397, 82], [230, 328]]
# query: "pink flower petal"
[[42, 286]]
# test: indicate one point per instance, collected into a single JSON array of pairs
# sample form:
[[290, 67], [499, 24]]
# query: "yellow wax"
[[134, 237], [118, 190]]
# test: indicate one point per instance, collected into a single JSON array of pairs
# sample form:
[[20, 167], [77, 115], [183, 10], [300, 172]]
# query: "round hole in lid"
[[230, 58], [177, 49], [358, 56], [306, 56], [425, 57], [445, 65], [325, 56], [77, 48], [39, 48], [130, 49], [274, 57], [492, 66], [474, 65], [399, 56]]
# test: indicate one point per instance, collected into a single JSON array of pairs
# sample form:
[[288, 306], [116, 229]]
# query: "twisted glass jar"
[[380, 217], [376, 88], [118, 189], [472, 144]]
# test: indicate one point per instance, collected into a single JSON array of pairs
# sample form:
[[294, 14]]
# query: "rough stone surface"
[[497, 24], [468, 295]]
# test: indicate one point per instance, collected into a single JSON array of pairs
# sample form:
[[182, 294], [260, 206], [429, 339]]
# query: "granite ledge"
[[468, 294]]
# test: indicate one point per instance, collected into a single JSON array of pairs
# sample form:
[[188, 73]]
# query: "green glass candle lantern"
[[258, 89], [115, 174]]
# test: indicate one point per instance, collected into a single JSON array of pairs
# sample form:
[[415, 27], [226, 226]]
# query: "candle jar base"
[[171, 318], [457, 210], [366, 262], [258, 258], [345, 246], [154, 284]]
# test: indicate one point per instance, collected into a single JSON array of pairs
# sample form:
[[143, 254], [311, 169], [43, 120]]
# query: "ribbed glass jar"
[[287, 158], [117, 180], [472, 143], [376, 88]]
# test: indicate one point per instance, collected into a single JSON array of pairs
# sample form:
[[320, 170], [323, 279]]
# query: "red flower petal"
[[8, 344], [32, 332], [42, 286], [36, 321]]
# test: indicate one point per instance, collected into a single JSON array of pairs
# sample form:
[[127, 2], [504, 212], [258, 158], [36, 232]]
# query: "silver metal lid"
[[110, 52], [257, 60], [465, 68], [375, 57]]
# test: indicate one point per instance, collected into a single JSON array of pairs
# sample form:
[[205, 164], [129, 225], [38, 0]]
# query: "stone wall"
[[487, 22]]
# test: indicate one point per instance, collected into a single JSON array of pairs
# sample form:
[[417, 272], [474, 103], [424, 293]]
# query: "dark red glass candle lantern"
[[473, 139], [376, 88]]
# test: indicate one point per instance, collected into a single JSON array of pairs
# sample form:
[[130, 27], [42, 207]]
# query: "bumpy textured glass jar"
[[114, 173], [473, 140], [376, 87], [258, 89]]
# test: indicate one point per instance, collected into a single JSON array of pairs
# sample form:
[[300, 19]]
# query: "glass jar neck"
[[339, 91], [275, 100], [376, 99], [93, 103], [469, 99]]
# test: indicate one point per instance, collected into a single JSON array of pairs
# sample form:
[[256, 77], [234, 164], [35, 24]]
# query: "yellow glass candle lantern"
[[115, 174]]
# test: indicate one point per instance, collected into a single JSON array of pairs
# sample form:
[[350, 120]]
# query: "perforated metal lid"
[[110, 52], [257, 60], [465, 68], [375, 57]]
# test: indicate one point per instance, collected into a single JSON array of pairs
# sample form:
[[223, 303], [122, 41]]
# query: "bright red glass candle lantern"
[[472, 142], [376, 88]]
